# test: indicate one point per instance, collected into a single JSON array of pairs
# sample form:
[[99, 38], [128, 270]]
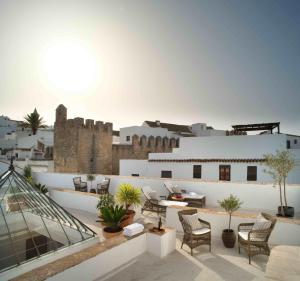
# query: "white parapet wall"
[[253, 195], [106, 262]]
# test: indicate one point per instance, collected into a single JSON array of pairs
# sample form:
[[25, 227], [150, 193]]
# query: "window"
[[295, 141], [197, 171], [224, 172], [135, 175], [288, 144], [127, 138], [251, 173], [166, 174]]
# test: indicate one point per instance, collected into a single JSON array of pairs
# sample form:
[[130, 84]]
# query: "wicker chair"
[[169, 186], [190, 238], [80, 185], [102, 188], [150, 204], [255, 242]]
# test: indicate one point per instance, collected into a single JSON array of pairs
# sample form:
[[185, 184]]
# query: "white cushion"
[[168, 203], [192, 221], [244, 235], [261, 223], [176, 189], [202, 230], [153, 195]]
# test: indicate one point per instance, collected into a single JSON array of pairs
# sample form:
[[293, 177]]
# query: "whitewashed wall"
[[254, 196], [210, 171]]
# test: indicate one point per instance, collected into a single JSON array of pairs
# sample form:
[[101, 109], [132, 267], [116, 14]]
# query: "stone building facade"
[[81, 147], [87, 147], [140, 148]]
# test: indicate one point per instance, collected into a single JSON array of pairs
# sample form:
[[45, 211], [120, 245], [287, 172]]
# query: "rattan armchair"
[[102, 188], [190, 237], [255, 242], [80, 185], [152, 205]]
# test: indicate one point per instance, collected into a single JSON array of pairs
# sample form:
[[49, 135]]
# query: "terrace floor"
[[221, 264]]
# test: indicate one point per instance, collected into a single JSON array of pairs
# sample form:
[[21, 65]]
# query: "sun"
[[70, 67]]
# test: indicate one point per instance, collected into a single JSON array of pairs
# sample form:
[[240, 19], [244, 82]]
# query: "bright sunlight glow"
[[70, 67]]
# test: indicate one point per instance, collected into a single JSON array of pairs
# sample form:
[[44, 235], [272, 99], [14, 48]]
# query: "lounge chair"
[[155, 203], [197, 232], [193, 199], [80, 185], [102, 188], [173, 190], [255, 241]]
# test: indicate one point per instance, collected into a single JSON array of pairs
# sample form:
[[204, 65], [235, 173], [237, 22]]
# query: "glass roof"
[[31, 223]]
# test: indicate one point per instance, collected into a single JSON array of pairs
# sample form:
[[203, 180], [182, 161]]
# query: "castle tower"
[[81, 147]]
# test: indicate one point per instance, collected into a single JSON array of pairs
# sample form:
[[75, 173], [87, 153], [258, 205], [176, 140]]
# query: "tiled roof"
[[170, 127], [199, 160]]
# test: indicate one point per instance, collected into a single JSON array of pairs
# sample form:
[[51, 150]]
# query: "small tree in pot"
[[112, 216], [128, 196], [91, 178], [279, 166], [230, 204]]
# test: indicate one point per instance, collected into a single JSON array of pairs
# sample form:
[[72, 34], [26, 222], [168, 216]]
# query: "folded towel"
[[134, 226], [133, 229]]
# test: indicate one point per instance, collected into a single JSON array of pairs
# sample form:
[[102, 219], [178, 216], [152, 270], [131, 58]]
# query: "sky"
[[214, 61]]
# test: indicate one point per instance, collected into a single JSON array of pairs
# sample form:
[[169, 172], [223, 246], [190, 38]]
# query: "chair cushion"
[[77, 180], [176, 189], [261, 223], [153, 195], [244, 235], [192, 221], [200, 231]]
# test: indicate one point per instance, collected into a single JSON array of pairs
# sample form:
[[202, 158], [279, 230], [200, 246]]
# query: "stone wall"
[[82, 147], [86, 147], [140, 148]]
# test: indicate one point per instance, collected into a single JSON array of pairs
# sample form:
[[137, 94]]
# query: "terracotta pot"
[[229, 238], [287, 211], [109, 233], [128, 219]]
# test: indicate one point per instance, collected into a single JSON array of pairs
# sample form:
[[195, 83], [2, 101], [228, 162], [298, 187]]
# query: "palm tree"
[[33, 121]]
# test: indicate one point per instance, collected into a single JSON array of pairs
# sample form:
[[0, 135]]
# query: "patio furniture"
[[196, 231], [192, 198], [173, 190], [102, 188], [80, 185], [255, 241], [155, 203]]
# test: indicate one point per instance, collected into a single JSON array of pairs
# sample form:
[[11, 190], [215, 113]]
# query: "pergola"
[[258, 127]]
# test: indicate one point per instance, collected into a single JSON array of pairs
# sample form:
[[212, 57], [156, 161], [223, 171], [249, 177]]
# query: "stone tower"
[[81, 147]]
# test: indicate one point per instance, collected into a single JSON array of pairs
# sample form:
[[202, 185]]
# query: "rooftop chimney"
[[157, 123]]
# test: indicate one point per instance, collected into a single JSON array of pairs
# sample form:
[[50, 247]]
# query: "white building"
[[157, 128], [33, 146], [215, 158]]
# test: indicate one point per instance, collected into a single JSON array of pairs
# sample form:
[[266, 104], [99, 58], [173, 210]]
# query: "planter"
[[109, 232], [128, 219], [287, 211], [229, 238]]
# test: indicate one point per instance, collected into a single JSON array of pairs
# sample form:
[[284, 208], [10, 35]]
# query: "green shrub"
[[230, 204], [128, 195], [113, 215]]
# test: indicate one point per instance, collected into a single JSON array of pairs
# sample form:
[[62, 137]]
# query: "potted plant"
[[112, 216], [279, 166], [128, 196], [105, 200], [41, 187], [91, 178], [230, 204], [27, 173]]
